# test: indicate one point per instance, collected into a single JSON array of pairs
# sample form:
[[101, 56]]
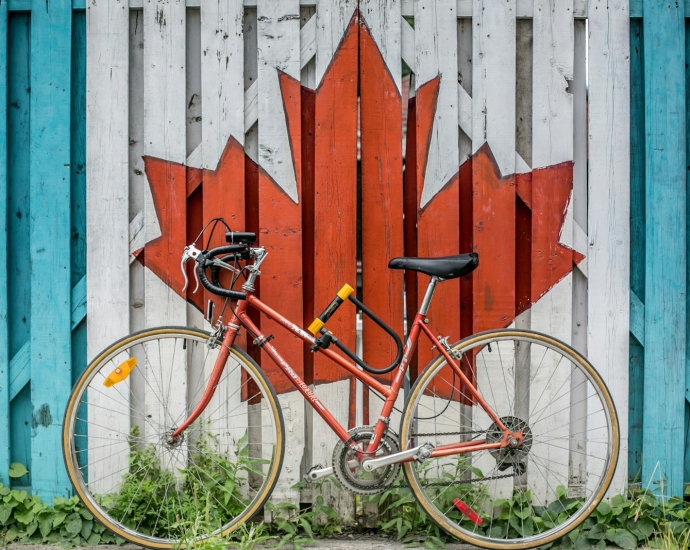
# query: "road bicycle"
[[507, 439]]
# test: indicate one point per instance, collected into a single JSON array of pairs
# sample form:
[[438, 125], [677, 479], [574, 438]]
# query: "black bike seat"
[[447, 267]]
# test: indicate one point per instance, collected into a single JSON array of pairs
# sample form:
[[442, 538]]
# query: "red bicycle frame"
[[391, 394]]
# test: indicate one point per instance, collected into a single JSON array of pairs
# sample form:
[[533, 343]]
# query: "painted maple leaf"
[[529, 209]]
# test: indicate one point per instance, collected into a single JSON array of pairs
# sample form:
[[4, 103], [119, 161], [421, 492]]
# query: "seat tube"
[[426, 301]]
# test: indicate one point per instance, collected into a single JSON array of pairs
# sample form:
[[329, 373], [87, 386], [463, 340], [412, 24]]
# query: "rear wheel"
[[136, 479], [512, 497]]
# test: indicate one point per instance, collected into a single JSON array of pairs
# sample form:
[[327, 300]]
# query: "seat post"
[[426, 301]]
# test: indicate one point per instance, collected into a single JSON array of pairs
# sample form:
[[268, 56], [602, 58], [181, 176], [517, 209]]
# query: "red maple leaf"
[[526, 211]]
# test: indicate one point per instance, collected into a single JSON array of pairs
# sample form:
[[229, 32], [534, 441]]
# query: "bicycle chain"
[[474, 432]]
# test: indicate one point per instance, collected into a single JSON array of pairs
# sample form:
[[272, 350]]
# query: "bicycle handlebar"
[[205, 260]]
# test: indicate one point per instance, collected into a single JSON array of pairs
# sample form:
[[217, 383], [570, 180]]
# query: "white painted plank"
[[107, 222], [493, 81], [436, 54], [164, 138], [493, 122], [609, 211], [465, 87], [222, 69], [407, 37], [385, 23], [552, 143], [278, 49], [307, 42], [332, 18]]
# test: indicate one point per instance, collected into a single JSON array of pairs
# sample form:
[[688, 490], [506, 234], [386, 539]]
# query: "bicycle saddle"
[[447, 267]]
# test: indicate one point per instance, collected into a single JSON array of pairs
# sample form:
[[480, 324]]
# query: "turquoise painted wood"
[[50, 239], [18, 284], [42, 202], [4, 344], [665, 229], [686, 473], [637, 249]]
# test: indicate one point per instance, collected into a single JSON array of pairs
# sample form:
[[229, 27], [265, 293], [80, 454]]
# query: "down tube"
[[296, 380]]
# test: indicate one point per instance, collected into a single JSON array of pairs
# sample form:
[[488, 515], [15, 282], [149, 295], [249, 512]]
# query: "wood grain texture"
[[107, 194], [609, 211], [280, 211], [437, 156], [164, 138], [50, 257], [637, 244], [222, 68], [18, 233], [4, 239], [381, 176], [665, 286]]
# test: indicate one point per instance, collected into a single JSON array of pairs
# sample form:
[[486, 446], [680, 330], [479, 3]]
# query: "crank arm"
[[319, 473], [420, 453]]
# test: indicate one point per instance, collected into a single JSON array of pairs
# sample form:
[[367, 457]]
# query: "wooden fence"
[[292, 119], [42, 233], [659, 323]]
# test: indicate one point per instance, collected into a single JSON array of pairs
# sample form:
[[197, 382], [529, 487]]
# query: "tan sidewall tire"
[[240, 355], [440, 520]]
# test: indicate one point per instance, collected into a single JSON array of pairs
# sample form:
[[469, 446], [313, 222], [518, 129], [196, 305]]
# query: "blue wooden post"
[[637, 244], [686, 475], [51, 48], [4, 343], [665, 285]]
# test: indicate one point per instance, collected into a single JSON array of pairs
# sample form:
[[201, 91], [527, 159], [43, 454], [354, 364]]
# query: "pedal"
[[316, 473]]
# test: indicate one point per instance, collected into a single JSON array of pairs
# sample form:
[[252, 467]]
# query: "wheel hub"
[[352, 475], [170, 441], [515, 453]]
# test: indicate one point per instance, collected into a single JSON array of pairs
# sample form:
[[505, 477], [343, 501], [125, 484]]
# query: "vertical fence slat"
[[608, 221], [4, 168], [19, 296], [437, 155], [51, 46], [552, 144], [280, 209], [637, 244], [665, 285], [335, 190], [380, 74], [165, 144], [107, 216], [489, 187]]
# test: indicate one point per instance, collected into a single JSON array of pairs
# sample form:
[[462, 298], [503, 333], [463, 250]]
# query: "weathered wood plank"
[[280, 209], [164, 138], [4, 239], [437, 155], [107, 196], [380, 74], [636, 318], [335, 190], [50, 239], [489, 185], [79, 302], [637, 244], [609, 211], [552, 144], [19, 167], [222, 69], [19, 370], [665, 285]]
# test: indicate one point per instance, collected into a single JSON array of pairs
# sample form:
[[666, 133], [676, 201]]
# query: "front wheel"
[[519, 497], [147, 487]]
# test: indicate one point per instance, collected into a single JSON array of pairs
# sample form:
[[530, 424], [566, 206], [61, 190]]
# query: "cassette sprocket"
[[354, 477]]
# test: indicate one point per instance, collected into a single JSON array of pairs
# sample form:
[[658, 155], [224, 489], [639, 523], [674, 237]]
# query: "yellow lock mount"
[[318, 323], [120, 373]]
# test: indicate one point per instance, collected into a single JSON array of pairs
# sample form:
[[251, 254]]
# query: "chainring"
[[507, 456], [356, 479]]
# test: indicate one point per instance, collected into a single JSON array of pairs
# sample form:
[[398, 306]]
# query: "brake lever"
[[190, 253]]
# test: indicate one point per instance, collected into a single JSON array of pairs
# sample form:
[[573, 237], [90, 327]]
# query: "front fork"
[[218, 368]]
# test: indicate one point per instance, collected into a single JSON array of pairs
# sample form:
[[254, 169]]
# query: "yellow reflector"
[[120, 373]]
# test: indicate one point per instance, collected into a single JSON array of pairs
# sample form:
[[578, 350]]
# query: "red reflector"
[[471, 514]]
